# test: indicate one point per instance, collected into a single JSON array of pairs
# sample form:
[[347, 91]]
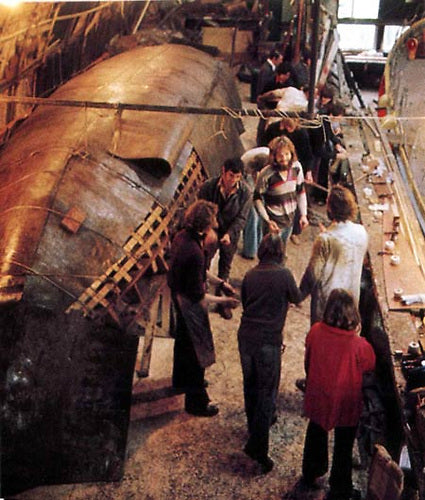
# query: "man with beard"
[[279, 190]]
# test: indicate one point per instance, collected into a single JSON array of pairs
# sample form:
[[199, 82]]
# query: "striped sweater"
[[280, 197]]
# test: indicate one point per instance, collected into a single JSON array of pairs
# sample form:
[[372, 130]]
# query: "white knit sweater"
[[336, 262]]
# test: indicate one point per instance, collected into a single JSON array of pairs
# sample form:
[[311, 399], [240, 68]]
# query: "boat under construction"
[[88, 207], [94, 180]]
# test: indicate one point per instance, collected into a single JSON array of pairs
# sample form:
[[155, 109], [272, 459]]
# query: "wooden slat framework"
[[145, 250]]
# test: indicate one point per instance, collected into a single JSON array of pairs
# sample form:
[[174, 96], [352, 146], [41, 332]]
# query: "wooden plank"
[[73, 219], [406, 275], [158, 407], [145, 362], [149, 239], [163, 327]]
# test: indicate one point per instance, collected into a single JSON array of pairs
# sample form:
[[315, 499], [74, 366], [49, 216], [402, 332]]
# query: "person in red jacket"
[[336, 358]]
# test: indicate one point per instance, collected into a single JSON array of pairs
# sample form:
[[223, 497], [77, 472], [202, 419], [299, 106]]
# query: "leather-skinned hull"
[[88, 200]]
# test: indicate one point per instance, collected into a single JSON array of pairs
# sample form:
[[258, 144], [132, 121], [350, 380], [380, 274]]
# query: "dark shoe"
[[224, 312], [265, 462], [300, 384], [267, 465], [207, 411], [247, 257]]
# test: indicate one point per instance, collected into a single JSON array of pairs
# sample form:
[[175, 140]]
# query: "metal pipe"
[[232, 112], [314, 45]]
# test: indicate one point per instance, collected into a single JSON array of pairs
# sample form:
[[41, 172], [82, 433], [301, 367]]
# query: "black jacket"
[[233, 211]]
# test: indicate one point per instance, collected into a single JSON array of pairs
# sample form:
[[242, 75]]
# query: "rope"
[[234, 113], [61, 214], [36, 273]]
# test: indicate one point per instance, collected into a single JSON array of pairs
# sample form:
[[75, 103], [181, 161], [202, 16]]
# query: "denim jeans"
[[261, 373], [252, 234]]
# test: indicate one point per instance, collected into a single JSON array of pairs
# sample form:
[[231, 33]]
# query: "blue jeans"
[[261, 374], [252, 234]]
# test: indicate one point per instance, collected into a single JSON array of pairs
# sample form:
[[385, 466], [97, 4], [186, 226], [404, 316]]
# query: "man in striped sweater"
[[280, 189]]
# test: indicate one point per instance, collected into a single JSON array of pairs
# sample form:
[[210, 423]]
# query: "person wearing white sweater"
[[338, 252]]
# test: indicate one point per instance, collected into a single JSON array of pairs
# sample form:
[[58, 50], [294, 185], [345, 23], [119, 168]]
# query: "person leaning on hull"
[[187, 276]]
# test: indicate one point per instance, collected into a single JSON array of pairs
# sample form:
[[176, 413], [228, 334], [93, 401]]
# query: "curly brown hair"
[[200, 215], [341, 310], [341, 204]]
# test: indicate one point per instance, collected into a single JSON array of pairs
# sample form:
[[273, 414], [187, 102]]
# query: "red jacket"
[[335, 361]]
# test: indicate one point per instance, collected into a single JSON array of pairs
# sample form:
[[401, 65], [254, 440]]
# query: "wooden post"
[[145, 362]]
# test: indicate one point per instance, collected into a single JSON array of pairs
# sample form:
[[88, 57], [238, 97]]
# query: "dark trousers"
[[188, 375], [261, 374], [321, 177], [315, 458], [225, 259], [296, 226]]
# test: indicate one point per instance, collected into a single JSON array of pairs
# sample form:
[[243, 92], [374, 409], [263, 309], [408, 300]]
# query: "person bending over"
[[194, 347]]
